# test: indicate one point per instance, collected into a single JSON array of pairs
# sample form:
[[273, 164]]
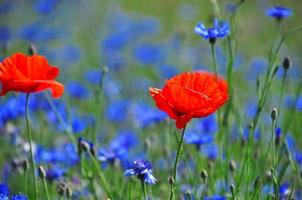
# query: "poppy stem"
[[33, 165], [173, 185]]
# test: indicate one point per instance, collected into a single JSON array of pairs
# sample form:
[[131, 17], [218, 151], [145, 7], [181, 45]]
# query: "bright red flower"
[[29, 74], [191, 95]]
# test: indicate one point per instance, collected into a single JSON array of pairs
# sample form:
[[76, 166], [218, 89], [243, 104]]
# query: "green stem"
[[214, 59], [204, 191], [26, 181], [102, 179], [144, 189], [218, 112], [273, 142], [68, 129], [282, 91], [173, 185], [33, 165], [46, 189]]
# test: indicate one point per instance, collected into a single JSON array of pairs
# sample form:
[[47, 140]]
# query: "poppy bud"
[[105, 70], [232, 166], [25, 164], [171, 180], [274, 114], [85, 146], [286, 63], [32, 49], [204, 174], [232, 188], [268, 174], [41, 171]]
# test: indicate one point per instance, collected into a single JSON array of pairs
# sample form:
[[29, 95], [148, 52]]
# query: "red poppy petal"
[[56, 88], [161, 103], [34, 67], [182, 121]]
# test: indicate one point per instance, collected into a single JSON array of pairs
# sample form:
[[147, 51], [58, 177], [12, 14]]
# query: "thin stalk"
[[67, 130], [33, 165], [218, 112], [26, 181], [144, 189], [273, 141], [204, 191], [102, 179], [282, 91], [213, 50], [173, 185], [45, 187]]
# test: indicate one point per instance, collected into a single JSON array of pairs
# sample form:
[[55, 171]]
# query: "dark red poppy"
[[190, 95], [29, 74]]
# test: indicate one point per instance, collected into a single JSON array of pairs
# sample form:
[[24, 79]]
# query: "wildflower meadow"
[[150, 100]]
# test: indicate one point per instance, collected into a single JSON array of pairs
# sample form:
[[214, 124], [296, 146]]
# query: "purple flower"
[[142, 169], [279, 12], [220, 29]]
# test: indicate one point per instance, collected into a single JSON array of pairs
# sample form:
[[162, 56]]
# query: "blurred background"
[[127, 46]]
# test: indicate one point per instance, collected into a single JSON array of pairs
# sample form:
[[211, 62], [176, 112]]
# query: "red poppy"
[[28, 74], [190, 95]]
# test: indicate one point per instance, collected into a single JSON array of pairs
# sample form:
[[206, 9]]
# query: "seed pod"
[[32, 49], [204, 174], [274, 114], [42, 172], [232, 166], [171, 180], [286, 63]]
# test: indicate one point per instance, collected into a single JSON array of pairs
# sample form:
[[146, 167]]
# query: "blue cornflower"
[[4, 189], [149, 54], [93, 76], [55, 173], [19, 197], [203, 132], [3, 197], [118, 148], [116, 111], [143, 170], [220, 29], [144, 115], [77, 90], [284, 190], [216, 197], [45, 6], [279, 12]]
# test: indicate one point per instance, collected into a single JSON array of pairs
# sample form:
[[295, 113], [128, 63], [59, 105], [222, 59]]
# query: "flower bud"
[[232, 188], [204, 174], [171, 180], [232, 166], [274, 114], [41, 171], [286, 63], [85, 146], [25, 164], [32, 49]]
